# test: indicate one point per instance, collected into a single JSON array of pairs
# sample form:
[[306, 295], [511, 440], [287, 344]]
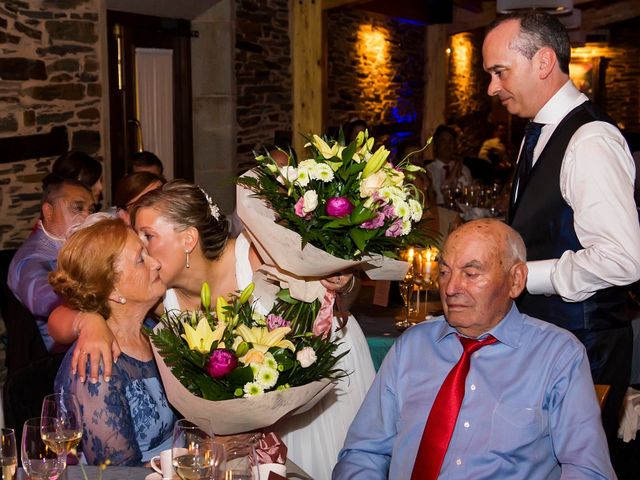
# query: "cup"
[[163, 464]]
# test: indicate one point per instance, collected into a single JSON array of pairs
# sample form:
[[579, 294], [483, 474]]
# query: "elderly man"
[[65, 203], [483, 392], [572, 200]]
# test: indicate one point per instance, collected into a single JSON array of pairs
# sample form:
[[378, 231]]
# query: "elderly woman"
[[105, 268]]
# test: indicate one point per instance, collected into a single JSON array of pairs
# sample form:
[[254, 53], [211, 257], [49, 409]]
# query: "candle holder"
[[406, 292]]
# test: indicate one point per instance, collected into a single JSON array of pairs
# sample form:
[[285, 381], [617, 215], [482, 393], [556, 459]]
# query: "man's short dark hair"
[[53, 185], [537, 30], [146, 159], [77, 166], [441, 130]]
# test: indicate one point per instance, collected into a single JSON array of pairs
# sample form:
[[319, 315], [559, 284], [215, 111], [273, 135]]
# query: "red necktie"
[[444, 413]]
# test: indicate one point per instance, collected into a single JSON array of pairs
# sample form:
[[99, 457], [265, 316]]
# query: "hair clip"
[[213, 208]]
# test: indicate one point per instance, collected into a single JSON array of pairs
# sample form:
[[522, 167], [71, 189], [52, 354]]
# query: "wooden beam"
[[39, 145], [434, 108], [593, 18], [309, 70], [465, 20]]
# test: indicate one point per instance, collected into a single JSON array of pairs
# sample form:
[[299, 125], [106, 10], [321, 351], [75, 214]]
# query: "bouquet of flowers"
[[347, 200], [233, 352]]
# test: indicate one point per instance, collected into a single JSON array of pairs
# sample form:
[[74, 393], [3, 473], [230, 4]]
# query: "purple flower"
[[221, 362], [389, 211], [339, 207], [276, 321], [395, 230], [376, 222]]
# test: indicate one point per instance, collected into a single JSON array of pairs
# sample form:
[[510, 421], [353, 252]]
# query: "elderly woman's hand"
[[95, 341]]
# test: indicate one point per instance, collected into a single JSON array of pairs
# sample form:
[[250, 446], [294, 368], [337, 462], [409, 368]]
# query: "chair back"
[[602, 392], [24, 342]]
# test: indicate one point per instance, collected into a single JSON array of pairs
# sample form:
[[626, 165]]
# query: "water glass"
[[8, 454], [40, 460], [195, 455], [242, 461]]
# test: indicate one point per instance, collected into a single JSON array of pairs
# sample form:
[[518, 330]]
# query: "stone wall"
[[263, 75], [622, 75], [375, 72], [49, 76], [468, 105]]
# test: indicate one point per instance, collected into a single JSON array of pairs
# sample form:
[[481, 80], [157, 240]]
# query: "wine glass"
[[8, 454], [41, 460], [65, 408], [195, 455], [242, 461]]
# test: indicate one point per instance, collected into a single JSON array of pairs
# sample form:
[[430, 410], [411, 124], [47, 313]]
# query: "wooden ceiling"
[[471, 14]]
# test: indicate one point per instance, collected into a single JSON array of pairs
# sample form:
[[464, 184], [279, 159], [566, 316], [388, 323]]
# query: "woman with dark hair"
[[82, 167], [131, 188], [185, 231], [105, 268]]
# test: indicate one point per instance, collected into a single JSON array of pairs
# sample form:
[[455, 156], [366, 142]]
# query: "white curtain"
[[154, 87]]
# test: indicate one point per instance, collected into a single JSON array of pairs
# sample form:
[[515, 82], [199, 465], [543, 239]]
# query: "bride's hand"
[[341, 283], [95, 341]]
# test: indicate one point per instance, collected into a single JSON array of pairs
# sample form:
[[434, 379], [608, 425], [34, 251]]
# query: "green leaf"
[[240, 375]]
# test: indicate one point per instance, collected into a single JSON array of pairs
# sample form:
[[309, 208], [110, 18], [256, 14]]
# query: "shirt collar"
[[507, 331], [49, 235], [557, 107]]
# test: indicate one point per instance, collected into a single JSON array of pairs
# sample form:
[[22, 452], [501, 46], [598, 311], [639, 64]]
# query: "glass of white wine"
[[65, 409], [39, 459], [8, 454], [195, 454]]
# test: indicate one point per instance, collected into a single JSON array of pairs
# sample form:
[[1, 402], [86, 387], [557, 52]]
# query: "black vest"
[[545, 222]]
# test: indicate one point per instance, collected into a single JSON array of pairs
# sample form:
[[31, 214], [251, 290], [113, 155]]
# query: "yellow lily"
[[202, 337], [325, 150], [262, 339], [221, 313], [376, 162]]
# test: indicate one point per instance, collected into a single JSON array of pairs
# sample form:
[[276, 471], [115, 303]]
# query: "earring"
[[122, 300], [187, 252]]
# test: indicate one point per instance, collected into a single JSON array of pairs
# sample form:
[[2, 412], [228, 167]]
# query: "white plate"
[[153, 476]]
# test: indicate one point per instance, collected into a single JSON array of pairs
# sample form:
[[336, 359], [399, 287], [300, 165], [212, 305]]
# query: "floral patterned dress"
[[127, 420]]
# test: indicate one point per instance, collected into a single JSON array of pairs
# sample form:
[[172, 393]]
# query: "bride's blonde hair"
[[185, 205]]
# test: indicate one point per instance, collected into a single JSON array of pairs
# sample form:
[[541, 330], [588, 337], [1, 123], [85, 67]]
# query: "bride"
[[183, 229]]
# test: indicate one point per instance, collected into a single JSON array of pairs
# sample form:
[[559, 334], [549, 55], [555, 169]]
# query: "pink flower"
[[299, 208], [221, 362], [276, 321], [376, 222], [339, 207], [395, 230]]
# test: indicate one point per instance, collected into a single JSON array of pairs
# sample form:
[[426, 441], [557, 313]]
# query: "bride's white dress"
[[315, 437]]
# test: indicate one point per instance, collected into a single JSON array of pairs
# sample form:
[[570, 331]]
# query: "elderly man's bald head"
[[482, 270]]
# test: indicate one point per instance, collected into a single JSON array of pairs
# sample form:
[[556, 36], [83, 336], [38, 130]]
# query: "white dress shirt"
[[596, 181]]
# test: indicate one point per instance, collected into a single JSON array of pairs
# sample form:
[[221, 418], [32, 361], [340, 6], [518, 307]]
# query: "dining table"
[[75, 472]]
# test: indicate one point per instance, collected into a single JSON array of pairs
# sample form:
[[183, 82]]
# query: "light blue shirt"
[[529, 409], [28, 279]]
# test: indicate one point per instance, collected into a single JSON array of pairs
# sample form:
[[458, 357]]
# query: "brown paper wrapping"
[[239, 415]]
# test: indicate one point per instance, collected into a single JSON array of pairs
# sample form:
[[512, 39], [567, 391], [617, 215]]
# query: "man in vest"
[[572, 198]]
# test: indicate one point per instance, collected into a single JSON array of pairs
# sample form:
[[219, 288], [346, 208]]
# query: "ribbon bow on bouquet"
[[271, 453]]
